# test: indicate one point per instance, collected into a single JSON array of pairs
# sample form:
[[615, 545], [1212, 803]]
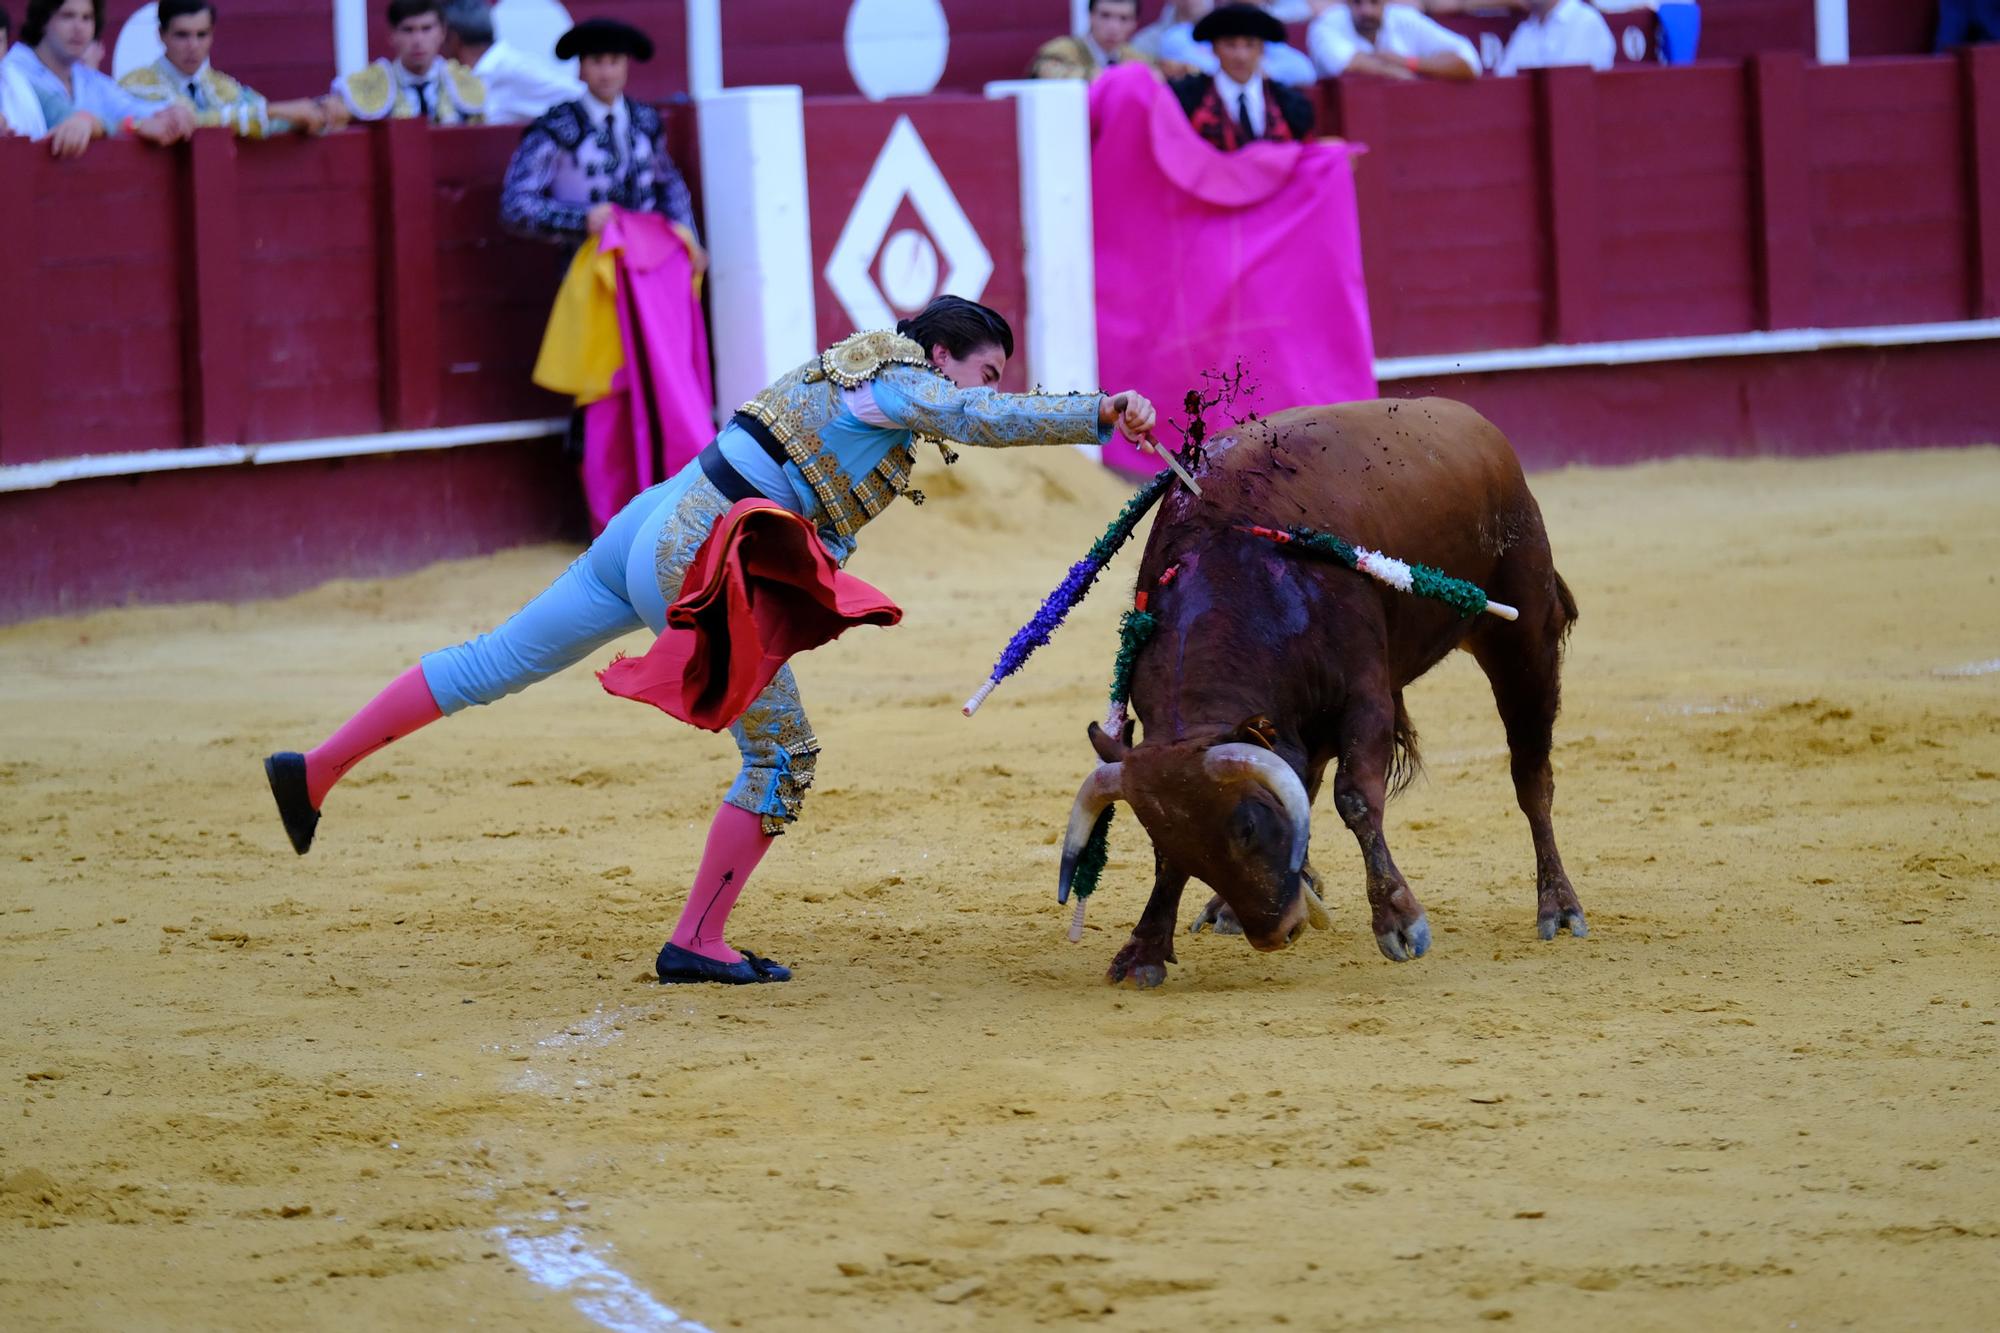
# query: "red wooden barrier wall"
[[1887, 192], [97, 256], [249, 532], [225, 292], [972, 142], [802, 42], [1800, 405], [250, 292], [307, 258], [284, 48], [1890, 27], [1451, 200], [235, 292], [492, 289], [1673, 200], [1733, 29], [1567, 207]]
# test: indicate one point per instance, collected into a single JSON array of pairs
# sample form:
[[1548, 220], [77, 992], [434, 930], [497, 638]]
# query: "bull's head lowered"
[[1227, 811]]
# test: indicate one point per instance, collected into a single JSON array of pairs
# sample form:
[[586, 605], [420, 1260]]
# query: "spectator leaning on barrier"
[[77, 103], [602, 149], [1238, 104], [1180, 52], [419, 82], [1559, 32], [183, 76], [1967, 22], [1106, 42], [519, 85], [1393, 41], [20, 109]]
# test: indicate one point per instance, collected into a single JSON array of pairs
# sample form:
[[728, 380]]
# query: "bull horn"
[[1315, 909], [1105, 784], [1240, 759]]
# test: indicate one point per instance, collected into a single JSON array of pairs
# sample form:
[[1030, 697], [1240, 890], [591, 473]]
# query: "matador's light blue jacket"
[[847, 423]]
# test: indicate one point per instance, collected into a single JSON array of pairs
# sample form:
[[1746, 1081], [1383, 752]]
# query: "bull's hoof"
[[1218, 916], [1405, 943], [1143, 962], [1144, 976], [1549, 927]]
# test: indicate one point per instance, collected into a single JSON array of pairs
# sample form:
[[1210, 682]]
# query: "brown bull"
[[1267, 665]]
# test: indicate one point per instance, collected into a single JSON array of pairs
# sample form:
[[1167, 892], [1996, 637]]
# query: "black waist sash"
[[761, 433], [725, 478]]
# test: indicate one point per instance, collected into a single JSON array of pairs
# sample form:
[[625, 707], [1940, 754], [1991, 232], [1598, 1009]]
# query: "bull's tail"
[[1569, 609], [1405, 761], [1568, 600]]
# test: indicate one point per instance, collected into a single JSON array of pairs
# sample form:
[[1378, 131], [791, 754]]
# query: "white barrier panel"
[[1053, 118], [350, 35], [758, 229], [1830, 31], [704, 47]]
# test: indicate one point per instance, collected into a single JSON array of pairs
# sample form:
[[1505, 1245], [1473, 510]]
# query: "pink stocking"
[[736, 843], [391, 715]]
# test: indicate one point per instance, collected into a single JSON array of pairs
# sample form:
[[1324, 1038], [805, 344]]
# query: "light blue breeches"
[[612, 589]]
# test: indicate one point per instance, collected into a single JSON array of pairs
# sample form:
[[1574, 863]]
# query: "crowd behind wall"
[[285, 48]]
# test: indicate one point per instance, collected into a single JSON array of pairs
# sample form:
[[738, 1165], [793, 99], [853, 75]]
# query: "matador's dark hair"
[[402, 11], [961, 326], [36, 25], [181, 9]]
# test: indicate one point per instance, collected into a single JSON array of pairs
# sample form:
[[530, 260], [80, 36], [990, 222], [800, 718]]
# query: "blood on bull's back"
[[1425, 479]]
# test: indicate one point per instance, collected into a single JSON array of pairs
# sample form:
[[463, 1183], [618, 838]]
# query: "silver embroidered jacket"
[[853, 469]]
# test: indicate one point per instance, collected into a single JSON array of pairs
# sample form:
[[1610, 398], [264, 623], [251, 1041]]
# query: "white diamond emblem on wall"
[[904, 168]]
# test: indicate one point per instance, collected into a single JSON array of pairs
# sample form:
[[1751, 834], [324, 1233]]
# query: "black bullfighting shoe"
[[286, 772], [676, 965]]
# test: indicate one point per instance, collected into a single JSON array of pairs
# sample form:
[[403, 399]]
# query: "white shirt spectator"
[[1282, 63], [1405, 33], [1237, 98], [520, 87], [88, 90], [19, 106], [1571, 33]]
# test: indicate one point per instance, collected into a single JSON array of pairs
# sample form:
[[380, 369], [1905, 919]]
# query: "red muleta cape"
[[760, 589]]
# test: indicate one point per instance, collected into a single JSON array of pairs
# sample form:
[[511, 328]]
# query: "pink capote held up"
[[660, 321], [1206, 257]]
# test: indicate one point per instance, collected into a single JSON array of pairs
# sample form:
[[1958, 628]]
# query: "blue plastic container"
[[1680, 31]]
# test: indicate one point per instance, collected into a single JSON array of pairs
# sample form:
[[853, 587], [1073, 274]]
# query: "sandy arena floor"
[[421, 1078]]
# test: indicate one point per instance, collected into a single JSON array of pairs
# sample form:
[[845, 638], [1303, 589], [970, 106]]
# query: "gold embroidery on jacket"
[[798, 407], [860, 357]]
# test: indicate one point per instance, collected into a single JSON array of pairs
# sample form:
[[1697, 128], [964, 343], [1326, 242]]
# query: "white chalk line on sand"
[[1987, 668], [565, 1262], [600, 1029]]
